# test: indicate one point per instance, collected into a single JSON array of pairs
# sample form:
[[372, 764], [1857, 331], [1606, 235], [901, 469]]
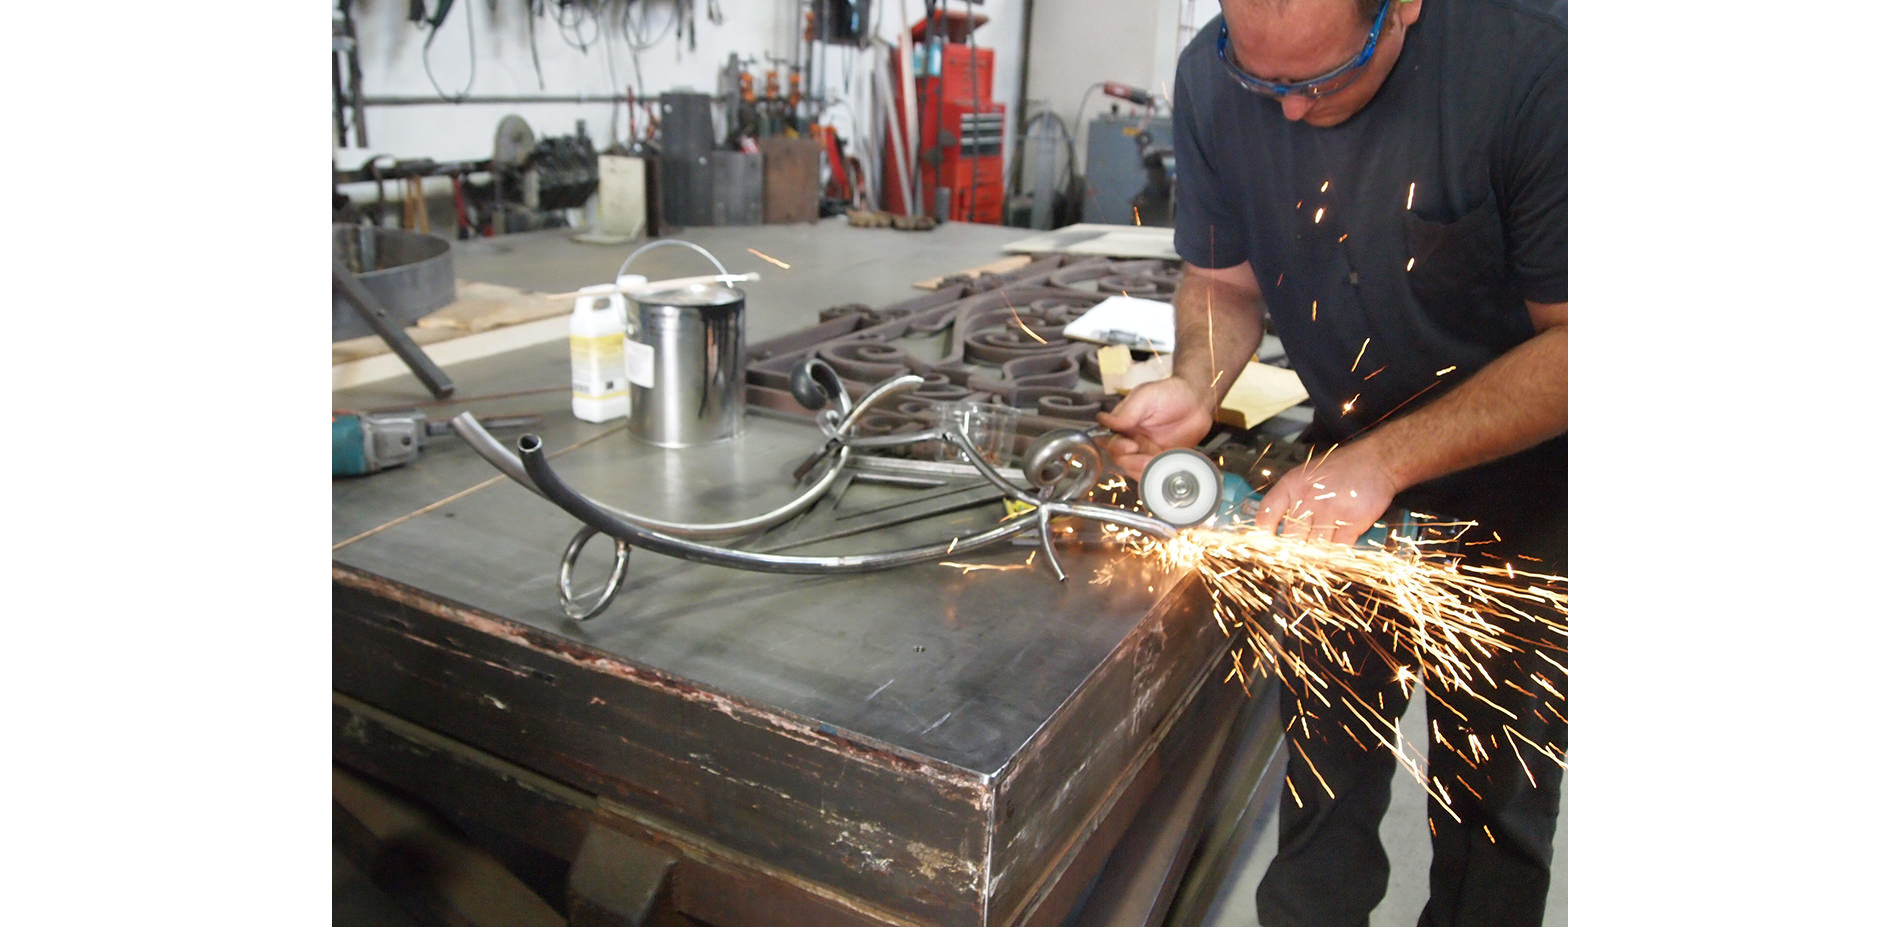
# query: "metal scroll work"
[[868, 380]]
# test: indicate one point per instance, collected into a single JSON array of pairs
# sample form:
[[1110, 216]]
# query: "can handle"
[[668, 241]]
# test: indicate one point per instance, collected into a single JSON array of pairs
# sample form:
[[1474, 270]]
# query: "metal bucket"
[[686, 362], [410, 273]]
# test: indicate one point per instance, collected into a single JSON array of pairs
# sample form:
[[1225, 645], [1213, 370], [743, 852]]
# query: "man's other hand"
[[1155, 417], [1335, 497]]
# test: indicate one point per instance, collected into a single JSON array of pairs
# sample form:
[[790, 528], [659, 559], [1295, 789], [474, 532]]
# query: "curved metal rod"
[[903, 383], [497, 454], [622, 552], [535, 463]]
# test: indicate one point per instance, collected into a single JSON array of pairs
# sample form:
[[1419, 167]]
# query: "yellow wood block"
[[1259, 393]]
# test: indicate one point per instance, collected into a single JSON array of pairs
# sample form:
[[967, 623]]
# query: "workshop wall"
[[604, 49], [1073, 52]]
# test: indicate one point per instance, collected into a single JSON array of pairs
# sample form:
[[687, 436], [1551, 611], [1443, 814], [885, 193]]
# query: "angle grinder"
[[1185, 488]]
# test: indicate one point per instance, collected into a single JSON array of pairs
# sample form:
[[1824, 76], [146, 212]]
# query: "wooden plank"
[[478, 307], [1001, 266], [791, 179], [433, 871]]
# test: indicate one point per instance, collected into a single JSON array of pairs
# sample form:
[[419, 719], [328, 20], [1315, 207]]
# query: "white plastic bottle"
[[595, 334]]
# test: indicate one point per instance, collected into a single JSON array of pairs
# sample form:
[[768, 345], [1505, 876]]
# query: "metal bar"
[[373, 313]]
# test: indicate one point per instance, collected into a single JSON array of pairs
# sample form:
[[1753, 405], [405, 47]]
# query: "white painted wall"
[[502, 63], [1079, 43]]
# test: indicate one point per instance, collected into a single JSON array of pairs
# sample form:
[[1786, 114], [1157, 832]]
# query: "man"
[[1389, 179]]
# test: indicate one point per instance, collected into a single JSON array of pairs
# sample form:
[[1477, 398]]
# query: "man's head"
[[1311, 55]]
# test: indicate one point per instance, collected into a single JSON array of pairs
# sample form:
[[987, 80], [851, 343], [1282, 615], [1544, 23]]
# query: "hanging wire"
[[469, 16], [638, 32], [534, 12], [571, 26]]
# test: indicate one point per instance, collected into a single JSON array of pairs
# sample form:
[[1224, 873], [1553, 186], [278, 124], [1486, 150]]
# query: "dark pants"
[[1491, 862]]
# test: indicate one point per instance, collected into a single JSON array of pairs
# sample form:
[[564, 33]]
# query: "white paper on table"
[[1144, 324]]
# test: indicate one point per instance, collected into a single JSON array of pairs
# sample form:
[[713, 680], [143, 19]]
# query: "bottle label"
[[596, 371]]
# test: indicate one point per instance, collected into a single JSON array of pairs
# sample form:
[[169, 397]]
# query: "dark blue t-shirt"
[[1457, 168]]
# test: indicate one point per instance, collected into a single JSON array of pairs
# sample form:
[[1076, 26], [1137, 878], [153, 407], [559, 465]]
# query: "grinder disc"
[[1181, 487]]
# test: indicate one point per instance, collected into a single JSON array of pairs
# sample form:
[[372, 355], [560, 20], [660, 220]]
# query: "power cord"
[[469, 16]]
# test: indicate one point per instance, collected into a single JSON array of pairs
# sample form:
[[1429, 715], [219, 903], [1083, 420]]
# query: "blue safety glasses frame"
[[1326, 84]]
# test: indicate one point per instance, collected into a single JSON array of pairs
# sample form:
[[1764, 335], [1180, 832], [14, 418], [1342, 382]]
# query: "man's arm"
[[1513, 403], [1217, 319]]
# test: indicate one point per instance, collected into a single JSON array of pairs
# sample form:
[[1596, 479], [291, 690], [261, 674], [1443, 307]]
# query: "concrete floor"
[[1407, 845], [878, 267]]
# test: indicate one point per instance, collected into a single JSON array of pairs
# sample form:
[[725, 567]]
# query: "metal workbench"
[[923, 745]]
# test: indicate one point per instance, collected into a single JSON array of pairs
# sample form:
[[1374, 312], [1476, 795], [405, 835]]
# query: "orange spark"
[[1342, 238], [1362, 353], [1318, 214], [1019, 321], [1323, 186], [781, 264], [1349, 404], [1408, 264], [1409, 190], [1315, 769], [1446, 370]]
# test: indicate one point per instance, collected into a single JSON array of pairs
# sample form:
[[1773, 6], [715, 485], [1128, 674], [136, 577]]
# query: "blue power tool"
[[1184, 487], [366, 442]]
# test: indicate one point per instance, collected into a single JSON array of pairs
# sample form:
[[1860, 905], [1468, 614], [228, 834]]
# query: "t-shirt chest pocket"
[[1459, 270]]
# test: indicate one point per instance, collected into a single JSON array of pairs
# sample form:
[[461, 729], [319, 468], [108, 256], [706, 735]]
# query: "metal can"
[[685, 355]]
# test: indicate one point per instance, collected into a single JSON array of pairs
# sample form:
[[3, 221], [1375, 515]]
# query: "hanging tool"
[[1134, 95], [363, 443]]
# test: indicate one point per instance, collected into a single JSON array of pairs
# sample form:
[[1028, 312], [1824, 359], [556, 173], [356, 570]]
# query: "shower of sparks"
[[1409, 190], [1429, 617], [770, 259], [1020, 323]]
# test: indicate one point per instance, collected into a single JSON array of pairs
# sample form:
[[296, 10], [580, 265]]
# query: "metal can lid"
[[693, 296]]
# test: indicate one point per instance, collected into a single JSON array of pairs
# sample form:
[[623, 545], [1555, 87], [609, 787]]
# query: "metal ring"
[[623, 554], [1063, 463]]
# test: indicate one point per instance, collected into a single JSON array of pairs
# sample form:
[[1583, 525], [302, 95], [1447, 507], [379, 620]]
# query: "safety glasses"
[[1326, 84]]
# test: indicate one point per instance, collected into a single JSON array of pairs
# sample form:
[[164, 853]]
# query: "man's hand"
[[1332, 498], [1155, 417]]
